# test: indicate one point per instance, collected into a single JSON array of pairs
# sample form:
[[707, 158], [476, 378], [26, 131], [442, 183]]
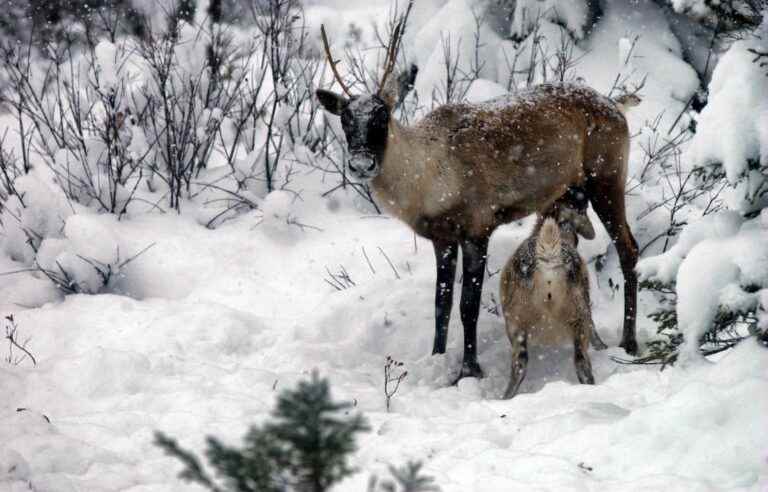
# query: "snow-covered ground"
[[250, 314], [202, 330]]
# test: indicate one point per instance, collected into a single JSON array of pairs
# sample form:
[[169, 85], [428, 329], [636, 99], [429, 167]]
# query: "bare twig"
[[373, 271], [340, 280], [11, 333], [394, 374], [397, 275], [393, 48]]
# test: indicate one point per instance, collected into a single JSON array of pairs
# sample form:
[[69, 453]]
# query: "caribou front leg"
[[445, 258], [474, 254]]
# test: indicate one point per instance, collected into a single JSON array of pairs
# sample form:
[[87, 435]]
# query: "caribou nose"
[[362, 166]]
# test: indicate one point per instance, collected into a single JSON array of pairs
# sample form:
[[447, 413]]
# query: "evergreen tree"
[[305, 447], [410, 478]]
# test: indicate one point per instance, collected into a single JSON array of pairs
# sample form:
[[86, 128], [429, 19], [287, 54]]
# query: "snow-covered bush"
[[727, 15], [215, 116], [75, 121], [548, 53], [35, 210], [453, 49], [732, 130], [713, 281], [84, 256], [577, 17], [713, 286], [459, 48], [57, 239], [201, 112]]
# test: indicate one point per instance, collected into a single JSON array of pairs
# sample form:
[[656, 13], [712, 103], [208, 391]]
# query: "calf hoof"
[[469, 370], [511, 391], [629, 346], [597, 342]]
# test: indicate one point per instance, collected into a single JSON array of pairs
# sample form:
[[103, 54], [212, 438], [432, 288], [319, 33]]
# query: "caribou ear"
[[332, 102]]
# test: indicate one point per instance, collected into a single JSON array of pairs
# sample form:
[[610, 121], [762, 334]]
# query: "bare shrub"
[[122, 119], [537, 58], [394, 374], [17, 348]]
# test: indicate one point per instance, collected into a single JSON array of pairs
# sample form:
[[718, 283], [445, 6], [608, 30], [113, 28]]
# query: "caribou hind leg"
[[608, 201], [445, 258]]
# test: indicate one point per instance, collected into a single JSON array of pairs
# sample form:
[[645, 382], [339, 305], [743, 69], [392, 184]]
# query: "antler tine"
[[391, 59], [394, 45], [328, 55]]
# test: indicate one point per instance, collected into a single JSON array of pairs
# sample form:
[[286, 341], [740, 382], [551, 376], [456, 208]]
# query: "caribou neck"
[[403, 170]]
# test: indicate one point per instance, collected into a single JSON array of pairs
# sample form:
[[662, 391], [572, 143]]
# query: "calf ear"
[[584, 225], [396, 88], [332, 102]]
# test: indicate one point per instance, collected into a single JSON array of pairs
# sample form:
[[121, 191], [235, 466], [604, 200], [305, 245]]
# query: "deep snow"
[[250, 313], [206, 326]]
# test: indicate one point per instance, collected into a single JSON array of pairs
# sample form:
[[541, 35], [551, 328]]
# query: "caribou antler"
[[394, 47], [331, 62], [389, 61]]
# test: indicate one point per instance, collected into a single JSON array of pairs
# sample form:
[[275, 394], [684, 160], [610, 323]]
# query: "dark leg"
[[474, 254], [609, 205], [445, 256], [581, 358], [628, 257], [519, 363]]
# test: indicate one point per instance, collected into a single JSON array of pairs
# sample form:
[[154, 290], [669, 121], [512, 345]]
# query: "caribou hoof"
[[629, 346], [469, 370]]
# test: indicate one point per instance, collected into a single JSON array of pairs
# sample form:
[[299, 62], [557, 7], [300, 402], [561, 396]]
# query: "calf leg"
[[519, 343], [581, 357], [474, 254], [445, 256]]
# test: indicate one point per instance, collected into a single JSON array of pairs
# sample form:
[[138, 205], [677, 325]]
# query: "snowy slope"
[[252, 314], [204, 328]]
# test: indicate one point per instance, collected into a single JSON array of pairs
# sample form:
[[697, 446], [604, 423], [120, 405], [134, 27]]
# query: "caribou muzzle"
[[363, 166]]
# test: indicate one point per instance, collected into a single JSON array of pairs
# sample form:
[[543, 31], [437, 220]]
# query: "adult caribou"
[[465, 169]]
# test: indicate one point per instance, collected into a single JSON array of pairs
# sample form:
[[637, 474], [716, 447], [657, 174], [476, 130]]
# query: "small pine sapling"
[[319, 438], [410, 478], [407, 478], [304, 448], [394, 374], [728, 327]]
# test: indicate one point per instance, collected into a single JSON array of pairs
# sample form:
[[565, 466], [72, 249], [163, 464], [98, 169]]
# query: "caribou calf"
[[545, 293]]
